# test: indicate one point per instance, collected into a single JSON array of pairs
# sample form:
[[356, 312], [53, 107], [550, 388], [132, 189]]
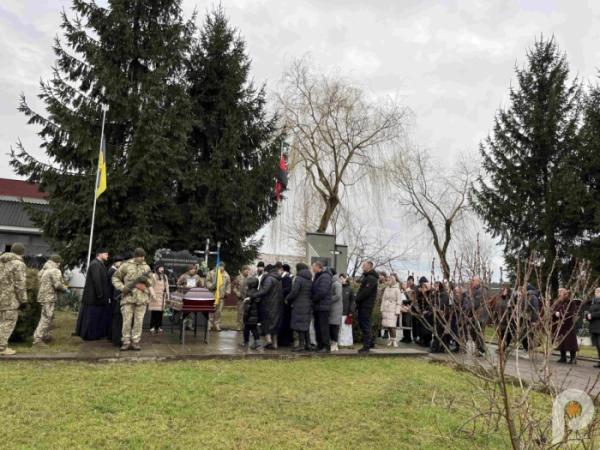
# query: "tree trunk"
[[330, 204]]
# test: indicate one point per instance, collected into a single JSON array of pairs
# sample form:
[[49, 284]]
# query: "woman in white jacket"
[[391, 303]]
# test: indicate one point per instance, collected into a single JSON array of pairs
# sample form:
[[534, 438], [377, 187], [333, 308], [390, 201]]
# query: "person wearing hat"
[[13, 293], [422, 314], [134, 280], [94, 321], [260, 272], [51, 284]]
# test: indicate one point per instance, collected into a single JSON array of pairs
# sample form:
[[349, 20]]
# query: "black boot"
[[563, 357], [573, 359], [301, 343]]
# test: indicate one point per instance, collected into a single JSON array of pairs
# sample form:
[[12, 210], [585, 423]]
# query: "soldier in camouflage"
[[13, 293], [239, 289], [134, 280], [51, 283]]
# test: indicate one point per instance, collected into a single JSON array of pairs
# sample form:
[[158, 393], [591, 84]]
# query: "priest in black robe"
[[94, 321]]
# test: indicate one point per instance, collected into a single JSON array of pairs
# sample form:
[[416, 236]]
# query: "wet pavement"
[[220, 345]]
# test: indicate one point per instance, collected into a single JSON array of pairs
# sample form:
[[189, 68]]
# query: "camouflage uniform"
[[239, 289], [211, 284], [13, 292], [133, 304], [51, 282], [183, 280]]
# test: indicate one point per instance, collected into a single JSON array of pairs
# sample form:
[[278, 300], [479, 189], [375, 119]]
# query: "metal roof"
[[14, 214]]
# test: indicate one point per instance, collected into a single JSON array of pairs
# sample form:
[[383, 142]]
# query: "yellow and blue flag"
[[101, 178], [219, 281]]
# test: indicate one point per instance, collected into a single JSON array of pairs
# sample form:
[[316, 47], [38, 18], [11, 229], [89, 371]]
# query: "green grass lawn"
[[319, 403]]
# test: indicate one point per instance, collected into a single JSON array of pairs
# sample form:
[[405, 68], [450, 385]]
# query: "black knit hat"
[[423, 280]]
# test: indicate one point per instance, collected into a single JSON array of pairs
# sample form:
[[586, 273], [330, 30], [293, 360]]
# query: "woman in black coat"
[[251, 314], [565, 316], [271, 300], [299, 300]]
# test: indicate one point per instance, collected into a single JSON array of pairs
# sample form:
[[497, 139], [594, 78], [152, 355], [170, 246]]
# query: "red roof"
[[18, 188]]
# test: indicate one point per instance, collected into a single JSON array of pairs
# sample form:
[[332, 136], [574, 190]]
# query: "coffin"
[[193, 300]]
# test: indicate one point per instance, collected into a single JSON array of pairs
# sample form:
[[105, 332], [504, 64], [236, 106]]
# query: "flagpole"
[[89, 256]]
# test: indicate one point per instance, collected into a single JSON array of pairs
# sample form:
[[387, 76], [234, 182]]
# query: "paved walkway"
[[581, 376], [222, 345]]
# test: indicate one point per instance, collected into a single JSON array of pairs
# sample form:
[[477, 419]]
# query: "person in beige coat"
[[391, 303], [158, 300]]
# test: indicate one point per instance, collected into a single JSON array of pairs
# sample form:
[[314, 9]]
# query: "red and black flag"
[[282, 179]]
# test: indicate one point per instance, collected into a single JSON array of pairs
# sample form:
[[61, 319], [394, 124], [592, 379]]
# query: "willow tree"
[[339, 134]]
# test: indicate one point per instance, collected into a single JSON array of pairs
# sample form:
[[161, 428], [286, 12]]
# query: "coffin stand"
[[194, 300]]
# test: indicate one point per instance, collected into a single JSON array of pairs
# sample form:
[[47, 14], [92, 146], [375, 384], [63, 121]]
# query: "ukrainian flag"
[[101, 178], [219, 281]]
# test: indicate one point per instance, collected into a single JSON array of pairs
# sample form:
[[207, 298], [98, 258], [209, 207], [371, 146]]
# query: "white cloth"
[[345, 338], [311, 332]]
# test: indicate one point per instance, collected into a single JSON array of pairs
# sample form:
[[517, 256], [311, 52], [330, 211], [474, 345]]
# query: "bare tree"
[[368, 243], [510, 384], [473, 250], [433, 195], [339, 135]]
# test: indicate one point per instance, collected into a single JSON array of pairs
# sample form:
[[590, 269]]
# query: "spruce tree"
[[227, 193], [529, 196], [588, 168], [130, 56]]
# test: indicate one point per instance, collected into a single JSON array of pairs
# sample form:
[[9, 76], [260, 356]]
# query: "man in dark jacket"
[[530, 314], [321, 301], [270, 294], [593, 315], [365, 299], [94, 319]]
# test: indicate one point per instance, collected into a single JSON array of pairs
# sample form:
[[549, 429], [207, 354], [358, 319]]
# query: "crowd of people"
[[311, 310]]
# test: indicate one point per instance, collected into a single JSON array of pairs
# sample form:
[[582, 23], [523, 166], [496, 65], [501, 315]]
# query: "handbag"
[[348, 320]]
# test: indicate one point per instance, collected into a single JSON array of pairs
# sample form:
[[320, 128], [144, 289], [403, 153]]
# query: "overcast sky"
[[450, 61]]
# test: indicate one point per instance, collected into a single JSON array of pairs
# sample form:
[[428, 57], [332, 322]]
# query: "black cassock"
[[117, 318], [94, 319]]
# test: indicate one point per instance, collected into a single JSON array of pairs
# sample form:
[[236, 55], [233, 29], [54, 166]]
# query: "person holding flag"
[[219, 283]]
